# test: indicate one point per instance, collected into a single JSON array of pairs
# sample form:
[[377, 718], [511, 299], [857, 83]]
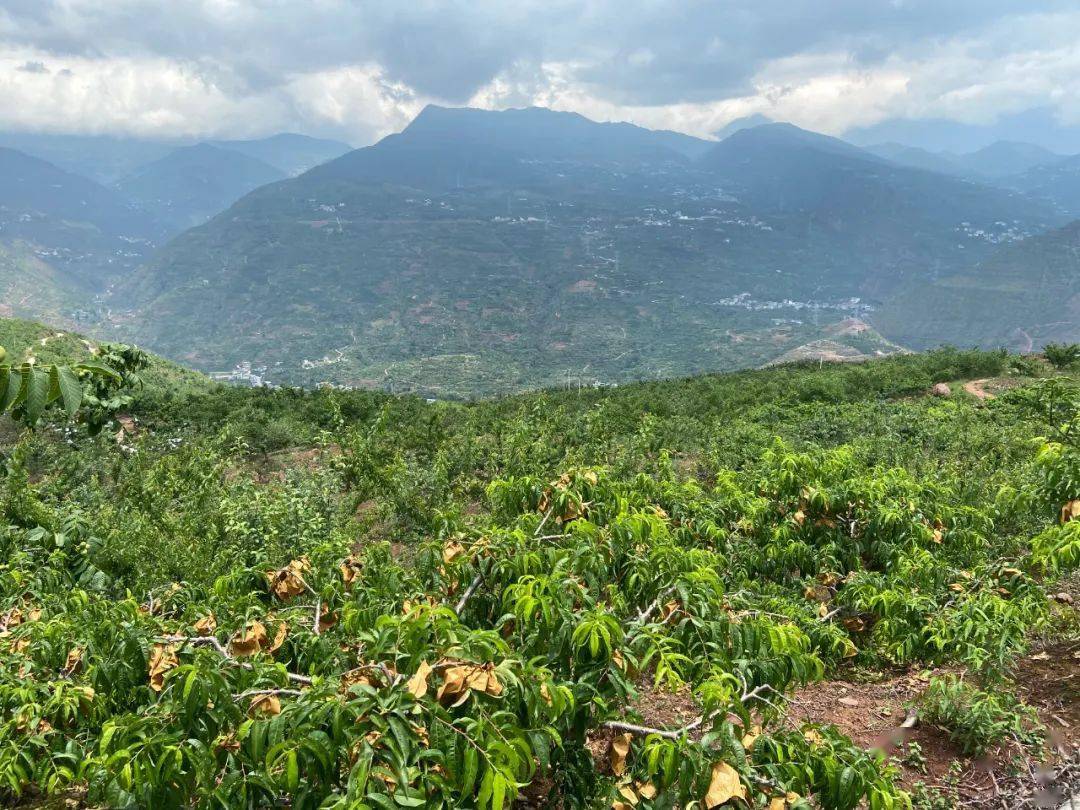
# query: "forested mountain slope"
[[1023, 296], [188, 186], [479, 252], [589, 598]]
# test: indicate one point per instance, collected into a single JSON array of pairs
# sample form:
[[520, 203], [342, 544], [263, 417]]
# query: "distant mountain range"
[[62, 235], [479, 252], [484, 251], [190, 184], [108, 159]]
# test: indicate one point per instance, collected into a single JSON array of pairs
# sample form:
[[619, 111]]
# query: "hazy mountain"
[[992, 164], [107, 158], [917, 158], [479, 251], [746, 122], [1057, 183], [193, 183], [1024, 295], [782, 167], [103, 158], [62, 237], [1005, 158], [35, 194], [288, 152]]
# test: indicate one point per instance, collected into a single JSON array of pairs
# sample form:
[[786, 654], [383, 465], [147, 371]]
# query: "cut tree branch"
[[223, 651]]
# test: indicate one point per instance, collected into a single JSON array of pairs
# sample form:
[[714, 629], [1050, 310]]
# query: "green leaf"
[[71, 390], [37, 395], [13, 383]]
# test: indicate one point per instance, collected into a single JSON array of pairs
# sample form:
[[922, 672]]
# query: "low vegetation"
[[249, 598]]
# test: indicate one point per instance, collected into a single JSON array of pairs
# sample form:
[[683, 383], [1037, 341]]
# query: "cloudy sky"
[[925, 71]]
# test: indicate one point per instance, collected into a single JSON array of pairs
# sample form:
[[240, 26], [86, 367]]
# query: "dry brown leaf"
[[777, 803], [938, 536], [249, 641], [460, 680], [73, 662], [351, 569], [327, 621], [353, 677], [724, 786], [817, 592], [279, 637], [267, 705], [418, 683], [799, 517], [854, 624], [647, 790], [1071, 510], [207, 625], [288, 582], [620, 749], [162, 659]]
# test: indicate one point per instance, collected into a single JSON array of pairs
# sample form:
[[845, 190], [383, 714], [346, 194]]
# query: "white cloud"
[[361, 69]]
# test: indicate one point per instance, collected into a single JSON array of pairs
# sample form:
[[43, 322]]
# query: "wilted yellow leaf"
[[162, 659], [418, 683], [620, 749], [777, 803], [750, 737], [451, 551], [725, 785]]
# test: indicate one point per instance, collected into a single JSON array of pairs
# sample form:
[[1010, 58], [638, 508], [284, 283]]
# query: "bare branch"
[[223, 651]]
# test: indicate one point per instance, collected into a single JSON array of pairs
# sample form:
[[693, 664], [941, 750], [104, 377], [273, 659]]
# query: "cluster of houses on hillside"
[[243, 375]]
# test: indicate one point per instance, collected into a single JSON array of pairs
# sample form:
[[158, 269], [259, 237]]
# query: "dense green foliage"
[[344, 599]]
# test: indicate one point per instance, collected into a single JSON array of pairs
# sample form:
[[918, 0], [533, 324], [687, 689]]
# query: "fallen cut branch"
[[693, 725], [221, 649], [464, 600], [250, 693], [644, 615]]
